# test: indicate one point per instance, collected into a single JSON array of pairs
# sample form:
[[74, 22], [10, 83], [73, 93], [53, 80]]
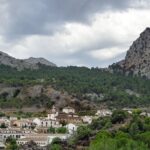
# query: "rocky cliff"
[[38, 96], [137, 60], [20, 64]]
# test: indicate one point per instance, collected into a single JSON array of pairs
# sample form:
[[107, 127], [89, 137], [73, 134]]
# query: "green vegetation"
[[51, 130], [56, 144], [3, 125], [82, 132], [61, 130], [118, 116], [2, 114], [132, 132], [120, 141], [115, 90], [21, 114], [11, 144]]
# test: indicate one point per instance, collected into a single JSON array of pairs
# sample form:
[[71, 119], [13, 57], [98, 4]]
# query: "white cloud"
[[106, 54], [108, 35]]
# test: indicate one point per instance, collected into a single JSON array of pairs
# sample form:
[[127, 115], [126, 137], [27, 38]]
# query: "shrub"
[[118, 116], [61, 130]]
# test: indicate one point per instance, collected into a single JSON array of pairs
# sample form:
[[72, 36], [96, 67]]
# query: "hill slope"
[[80, 83]]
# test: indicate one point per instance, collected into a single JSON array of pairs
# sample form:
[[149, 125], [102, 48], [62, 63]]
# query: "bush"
[[145, 137], [121, 141], [118, 116], [2, 114], [51, 130], [83, 132], [56, 147], [3, 125], [61, 130], [11, 144], [56, 141]]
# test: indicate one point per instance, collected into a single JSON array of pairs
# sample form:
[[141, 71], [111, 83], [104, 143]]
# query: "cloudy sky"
[[72, 32]]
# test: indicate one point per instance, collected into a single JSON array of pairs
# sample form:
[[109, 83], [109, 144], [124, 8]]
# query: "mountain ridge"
[[20, 64], [136, 62]]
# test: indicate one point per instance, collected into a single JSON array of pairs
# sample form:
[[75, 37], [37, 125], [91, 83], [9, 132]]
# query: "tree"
[[55, 144], [61, 130], [2, 114], [51, 130], [3, 125], [56, 141], [145, 137], [134, 129], [83, 132], [55, 147], [118, 116], [11, 144]]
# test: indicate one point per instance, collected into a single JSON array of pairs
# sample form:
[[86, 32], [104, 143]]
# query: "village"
[[42, 130]]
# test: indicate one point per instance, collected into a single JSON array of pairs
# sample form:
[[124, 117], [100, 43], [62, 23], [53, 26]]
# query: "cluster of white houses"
[[36, 129]]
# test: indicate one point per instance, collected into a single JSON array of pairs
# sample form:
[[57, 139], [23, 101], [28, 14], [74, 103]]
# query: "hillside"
[[120, 131], [78, 86]]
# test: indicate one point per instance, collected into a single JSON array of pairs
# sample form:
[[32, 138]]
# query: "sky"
[[92, 33]]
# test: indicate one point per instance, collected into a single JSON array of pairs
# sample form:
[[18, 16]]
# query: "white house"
[[14, 133], [53, 113], [2, 145], [61, 136], [71, 128], [50, 123], [37, 121], [68, 110], [5, 121], [87, 119], [129, 110], [46, 123], [23, 123], [103, 112], [13, 118], [41, 139]]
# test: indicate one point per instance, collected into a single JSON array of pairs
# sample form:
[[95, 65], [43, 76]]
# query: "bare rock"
[[137, 60], [20, 64]]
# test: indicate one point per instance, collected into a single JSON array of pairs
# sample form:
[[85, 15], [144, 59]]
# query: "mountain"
[[35, 61], [137, 60], [20, 64]]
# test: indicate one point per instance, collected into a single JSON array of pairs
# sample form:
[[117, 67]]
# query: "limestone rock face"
[[40, 60], [20, 64], [137, 60]]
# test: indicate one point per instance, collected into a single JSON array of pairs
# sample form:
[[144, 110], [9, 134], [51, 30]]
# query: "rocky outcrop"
[[35, 61], [20, 64], [39, 96], [137, 60]]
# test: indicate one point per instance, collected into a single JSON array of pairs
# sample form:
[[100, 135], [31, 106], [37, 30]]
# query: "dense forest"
[[94, 84]]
